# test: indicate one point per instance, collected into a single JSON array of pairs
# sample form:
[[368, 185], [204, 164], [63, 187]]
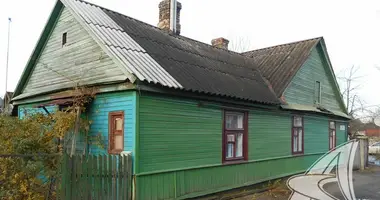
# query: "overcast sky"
[[351, 29]]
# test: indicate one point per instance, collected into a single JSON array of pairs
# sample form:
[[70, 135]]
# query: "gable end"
[[55, 66], [316, 70]]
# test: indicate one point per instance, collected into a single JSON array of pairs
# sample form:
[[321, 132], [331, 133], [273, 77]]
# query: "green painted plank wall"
[[301, 90], [176, 133], [102, 105], [180, 148], [194, 182], [316, 134], [265, 139]]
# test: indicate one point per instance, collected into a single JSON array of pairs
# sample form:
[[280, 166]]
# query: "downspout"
[[173, 16]]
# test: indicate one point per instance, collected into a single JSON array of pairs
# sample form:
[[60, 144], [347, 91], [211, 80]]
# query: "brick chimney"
[[220, 43], [164, 16]]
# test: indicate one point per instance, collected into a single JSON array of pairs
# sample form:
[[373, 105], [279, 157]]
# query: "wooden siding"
[[301, 90], [316, 134], [81, 60], [186, 183], [267, 130], [30, 109], [180, 143], [98, 114], [341, 135], [176, 133]]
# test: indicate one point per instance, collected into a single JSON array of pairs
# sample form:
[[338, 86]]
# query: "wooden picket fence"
[[96, 177]]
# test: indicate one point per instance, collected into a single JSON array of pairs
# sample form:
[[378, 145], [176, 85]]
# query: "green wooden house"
[[197, 118]]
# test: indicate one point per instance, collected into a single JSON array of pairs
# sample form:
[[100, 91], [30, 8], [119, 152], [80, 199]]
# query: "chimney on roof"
[[165, 18], [220, 43]]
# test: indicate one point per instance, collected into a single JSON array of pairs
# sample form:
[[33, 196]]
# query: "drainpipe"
[[173, 16]]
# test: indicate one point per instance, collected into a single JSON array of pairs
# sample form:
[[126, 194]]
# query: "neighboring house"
[[1, 105], [370, 129], [197, 118], [5, 105]]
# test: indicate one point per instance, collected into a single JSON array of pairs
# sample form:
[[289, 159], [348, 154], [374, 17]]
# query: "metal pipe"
[[173, 16]]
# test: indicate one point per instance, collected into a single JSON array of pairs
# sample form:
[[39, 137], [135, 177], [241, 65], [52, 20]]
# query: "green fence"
[[97, 177]]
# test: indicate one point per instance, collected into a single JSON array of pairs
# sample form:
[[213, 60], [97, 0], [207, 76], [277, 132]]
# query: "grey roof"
[[155, 56], [280, 63]]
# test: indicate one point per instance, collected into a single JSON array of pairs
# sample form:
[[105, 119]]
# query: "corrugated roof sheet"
[[280, 63], [174, 61]]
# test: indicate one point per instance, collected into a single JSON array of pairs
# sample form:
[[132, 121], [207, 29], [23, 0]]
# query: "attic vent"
[[64, 39]]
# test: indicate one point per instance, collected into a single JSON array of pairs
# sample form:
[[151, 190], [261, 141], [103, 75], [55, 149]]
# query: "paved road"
[[366, 185]]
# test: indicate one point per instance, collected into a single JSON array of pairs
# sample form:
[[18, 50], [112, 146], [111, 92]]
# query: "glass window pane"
[[297, 121], [234, 120], [300, 135], [118, 124], [118, 142], [295, 146], [230, 150], [332, 125], [239, 145], [230, 138]]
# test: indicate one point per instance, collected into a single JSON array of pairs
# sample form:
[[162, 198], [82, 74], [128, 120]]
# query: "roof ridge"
[[284, 44], [155, 27]]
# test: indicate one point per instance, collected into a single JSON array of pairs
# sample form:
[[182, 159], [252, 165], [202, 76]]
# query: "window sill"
[[233, 162], [114, 152], [297, 154]]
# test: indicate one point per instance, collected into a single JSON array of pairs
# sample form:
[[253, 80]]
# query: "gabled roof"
[[155, 56], [280, 63]]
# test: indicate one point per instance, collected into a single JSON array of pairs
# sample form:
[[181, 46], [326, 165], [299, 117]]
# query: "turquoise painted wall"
[[180, 148], [341, 132], [316, 134], [98, 114], [301, 90], [30, 109]]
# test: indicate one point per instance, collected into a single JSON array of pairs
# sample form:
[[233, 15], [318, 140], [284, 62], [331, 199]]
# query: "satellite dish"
[[377, 121]]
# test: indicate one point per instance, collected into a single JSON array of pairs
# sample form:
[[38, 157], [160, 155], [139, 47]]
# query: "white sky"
[[351, 29]]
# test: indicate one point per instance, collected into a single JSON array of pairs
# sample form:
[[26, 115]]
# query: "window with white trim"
[[297, 135]]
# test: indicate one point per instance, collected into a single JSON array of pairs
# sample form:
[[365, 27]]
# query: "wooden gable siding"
[[179, 145], [98, 113], [301, 90], [81, 60]]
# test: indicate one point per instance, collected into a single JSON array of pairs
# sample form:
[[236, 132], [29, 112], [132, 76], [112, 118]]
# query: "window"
[[64, 39], [297, 135], [116, 132], [332, 135], [235, 136], [317, 92]]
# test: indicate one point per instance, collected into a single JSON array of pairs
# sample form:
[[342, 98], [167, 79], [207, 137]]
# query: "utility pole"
[[6, 67]]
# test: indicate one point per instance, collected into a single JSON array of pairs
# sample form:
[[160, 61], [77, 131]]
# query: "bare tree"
[[240, 44], [350, 86]]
